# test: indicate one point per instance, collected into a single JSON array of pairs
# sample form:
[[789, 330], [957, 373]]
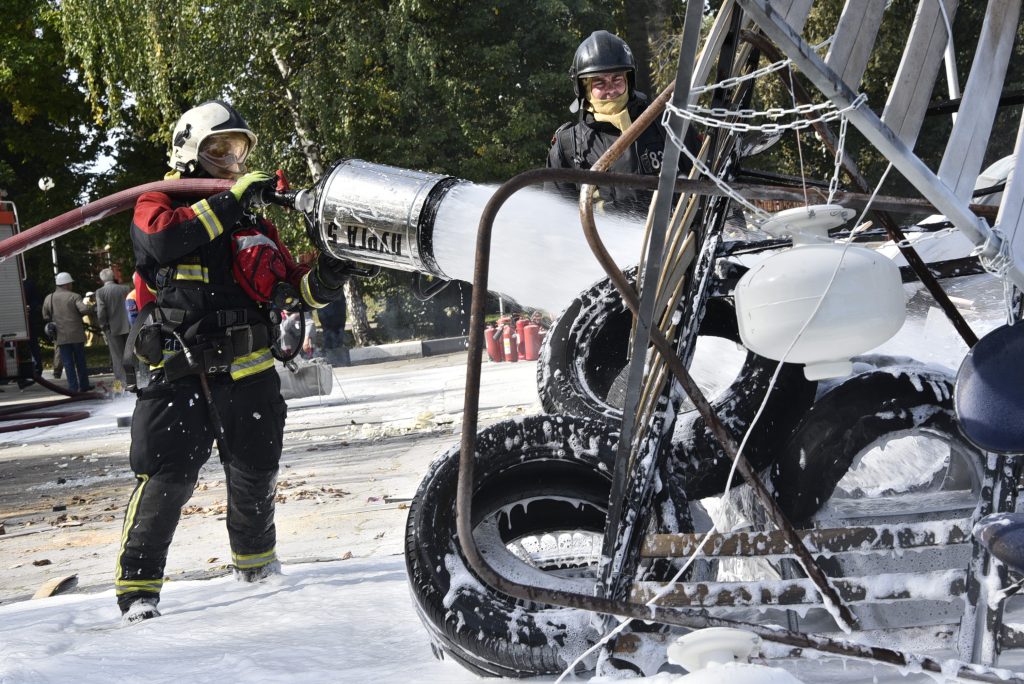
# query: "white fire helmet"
[[64, 278], [198, 123]]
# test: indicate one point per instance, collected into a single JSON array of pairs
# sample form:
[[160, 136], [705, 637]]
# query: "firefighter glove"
[[331, 272], [248, 188]]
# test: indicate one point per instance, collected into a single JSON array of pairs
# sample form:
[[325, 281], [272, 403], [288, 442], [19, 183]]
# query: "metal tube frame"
[[670, 616]]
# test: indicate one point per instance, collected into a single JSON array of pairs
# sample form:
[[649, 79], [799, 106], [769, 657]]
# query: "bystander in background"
[[65, 309], [112, 317]]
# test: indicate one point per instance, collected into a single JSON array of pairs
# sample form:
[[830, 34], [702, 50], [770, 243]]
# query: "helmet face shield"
[[223, 155], [209, 120]]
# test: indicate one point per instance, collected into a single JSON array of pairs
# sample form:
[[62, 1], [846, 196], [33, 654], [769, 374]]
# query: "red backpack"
[[258, 264]]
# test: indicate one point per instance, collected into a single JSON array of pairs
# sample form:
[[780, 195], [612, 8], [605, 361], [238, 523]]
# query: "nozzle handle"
[[300, 200]]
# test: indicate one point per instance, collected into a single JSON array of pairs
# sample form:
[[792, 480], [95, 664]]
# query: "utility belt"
[[209, 345]]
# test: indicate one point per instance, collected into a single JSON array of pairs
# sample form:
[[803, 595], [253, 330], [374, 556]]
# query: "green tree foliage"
[[472, 89], [47, 132], [138, 160], [817, 162]]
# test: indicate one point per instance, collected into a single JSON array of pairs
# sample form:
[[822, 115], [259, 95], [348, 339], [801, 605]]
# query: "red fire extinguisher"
[[494, 351], [531, 342], [510, 344], [520, 337]]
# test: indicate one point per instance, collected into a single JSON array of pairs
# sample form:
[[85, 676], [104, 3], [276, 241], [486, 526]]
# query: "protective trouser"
[[172, 437]]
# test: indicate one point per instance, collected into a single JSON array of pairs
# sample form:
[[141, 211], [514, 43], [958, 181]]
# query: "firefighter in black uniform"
[[213, 267], [603, 77]]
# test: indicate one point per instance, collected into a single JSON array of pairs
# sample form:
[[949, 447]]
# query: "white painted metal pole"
[[949, 57], [878, 134]]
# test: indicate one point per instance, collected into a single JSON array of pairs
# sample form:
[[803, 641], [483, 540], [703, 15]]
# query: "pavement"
[[352, 461]]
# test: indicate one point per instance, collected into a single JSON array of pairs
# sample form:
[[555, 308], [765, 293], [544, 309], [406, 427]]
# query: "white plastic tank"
[[861, 297]]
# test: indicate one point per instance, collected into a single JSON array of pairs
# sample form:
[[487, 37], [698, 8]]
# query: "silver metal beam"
[[877, 133]]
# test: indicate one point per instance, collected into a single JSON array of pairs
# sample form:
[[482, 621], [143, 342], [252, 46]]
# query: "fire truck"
[[14, 323]]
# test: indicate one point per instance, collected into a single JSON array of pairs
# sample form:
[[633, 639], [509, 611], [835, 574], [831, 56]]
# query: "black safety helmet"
[[600, 53]]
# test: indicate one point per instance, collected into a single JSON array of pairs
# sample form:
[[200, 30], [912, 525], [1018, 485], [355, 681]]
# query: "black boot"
[[140, 609]]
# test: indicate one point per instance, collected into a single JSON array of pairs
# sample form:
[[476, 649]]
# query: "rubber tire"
[[488, 632], [699, 466], [584, 351], [849, 419], [587, 348]]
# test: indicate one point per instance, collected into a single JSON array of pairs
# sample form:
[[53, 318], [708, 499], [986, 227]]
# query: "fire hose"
[[29, 410], [102, 208], [66, 223]]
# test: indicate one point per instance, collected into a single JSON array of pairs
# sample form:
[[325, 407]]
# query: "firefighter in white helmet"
[[213, 267]]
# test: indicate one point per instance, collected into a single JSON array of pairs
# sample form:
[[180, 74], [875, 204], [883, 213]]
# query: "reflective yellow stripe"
[[166, 354], [307, 294], [124, 586], [192, 272], [204, 212], [131, 586], [250, 364], [253, 560]]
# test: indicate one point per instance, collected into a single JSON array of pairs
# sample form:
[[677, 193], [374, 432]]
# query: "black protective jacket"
[[580, 145], [184, 253]]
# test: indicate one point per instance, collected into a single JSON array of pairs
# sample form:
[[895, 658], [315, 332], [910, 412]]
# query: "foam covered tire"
[[539, 507], [586, 349], [699, 466], [584, 352], [852, 417]]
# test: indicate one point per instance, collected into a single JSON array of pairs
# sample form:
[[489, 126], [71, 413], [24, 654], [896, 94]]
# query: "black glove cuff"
[[319, 291]]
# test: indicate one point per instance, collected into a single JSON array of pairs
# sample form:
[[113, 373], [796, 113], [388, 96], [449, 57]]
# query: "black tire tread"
[[847, 420], [484, 646]]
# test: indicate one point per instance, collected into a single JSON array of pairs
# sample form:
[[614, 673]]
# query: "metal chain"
[[757, 73], [833, 184], [736, 80], [935, 235], [999, 263], [770, 113], [760, 213], [740, 127]]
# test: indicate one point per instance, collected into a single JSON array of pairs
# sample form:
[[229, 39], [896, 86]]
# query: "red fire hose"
[[102, 208], [29, 410], [65, 223]]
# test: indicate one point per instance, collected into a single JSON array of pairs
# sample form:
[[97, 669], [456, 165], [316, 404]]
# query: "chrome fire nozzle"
[[374, 214]]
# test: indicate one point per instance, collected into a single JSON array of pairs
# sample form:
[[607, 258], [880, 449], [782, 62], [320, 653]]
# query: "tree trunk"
[[647, 24], [361, 332], [353, 292], [309, 149]]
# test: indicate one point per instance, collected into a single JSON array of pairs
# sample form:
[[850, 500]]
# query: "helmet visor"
[[223, 154]]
